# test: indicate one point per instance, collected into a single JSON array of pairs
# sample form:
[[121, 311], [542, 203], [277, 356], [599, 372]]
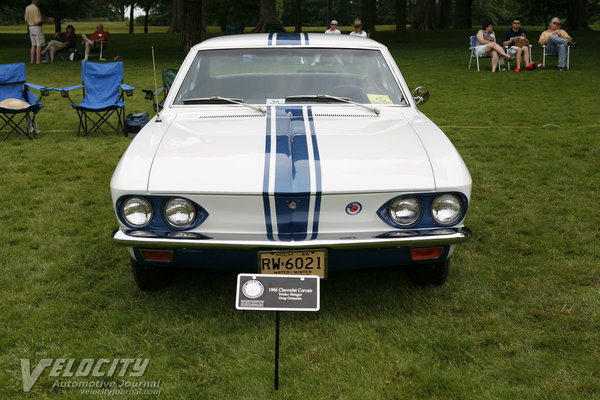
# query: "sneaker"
[[530, 66], [572, 44], [561, 68], [517, 69]]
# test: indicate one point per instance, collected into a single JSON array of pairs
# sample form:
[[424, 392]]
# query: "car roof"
[[287, 40]]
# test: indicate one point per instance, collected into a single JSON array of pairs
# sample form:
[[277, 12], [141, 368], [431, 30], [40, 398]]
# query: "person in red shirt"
[[96, 41]]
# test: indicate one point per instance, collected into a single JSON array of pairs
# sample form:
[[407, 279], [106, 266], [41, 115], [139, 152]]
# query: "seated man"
[[516, 41], [96, 41], [556, 41]]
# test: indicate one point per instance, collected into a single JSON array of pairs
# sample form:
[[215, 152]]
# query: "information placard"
[[265, 292]]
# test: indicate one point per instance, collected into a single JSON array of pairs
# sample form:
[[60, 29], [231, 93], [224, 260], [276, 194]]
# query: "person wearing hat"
[[34, 20], [333, 30], [358, 31]]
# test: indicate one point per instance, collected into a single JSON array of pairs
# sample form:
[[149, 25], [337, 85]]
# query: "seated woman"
[[486, 45], [61, 40]]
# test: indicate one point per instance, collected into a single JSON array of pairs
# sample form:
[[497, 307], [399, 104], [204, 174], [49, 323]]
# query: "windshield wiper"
[[219, 99], [335, 98]]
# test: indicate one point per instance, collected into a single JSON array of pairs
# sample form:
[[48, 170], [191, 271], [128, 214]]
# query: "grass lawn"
[[518, 319]]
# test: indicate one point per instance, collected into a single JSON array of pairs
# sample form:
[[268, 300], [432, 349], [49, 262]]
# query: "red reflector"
[[430, 252], [157, 255]]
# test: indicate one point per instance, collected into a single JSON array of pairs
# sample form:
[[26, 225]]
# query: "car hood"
[[291, 149]]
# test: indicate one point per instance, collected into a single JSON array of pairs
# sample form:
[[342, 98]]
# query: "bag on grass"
[[76, 55], [135, 122]]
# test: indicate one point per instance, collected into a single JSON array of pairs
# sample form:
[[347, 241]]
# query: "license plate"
[[299, 262]]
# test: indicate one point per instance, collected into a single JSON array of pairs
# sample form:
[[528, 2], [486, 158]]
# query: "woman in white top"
[[358, 29], [333, 30], [486, 45]]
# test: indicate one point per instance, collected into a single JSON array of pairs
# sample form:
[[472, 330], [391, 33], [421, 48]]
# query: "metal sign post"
[[278, 293]]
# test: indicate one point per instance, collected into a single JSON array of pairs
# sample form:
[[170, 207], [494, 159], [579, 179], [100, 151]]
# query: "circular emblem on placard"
[[353, 208], [253, 289]]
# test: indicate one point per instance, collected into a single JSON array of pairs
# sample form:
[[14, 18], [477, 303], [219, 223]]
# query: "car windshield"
[[288, 75]]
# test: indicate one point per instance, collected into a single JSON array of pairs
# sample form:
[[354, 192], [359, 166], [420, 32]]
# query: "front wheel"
[[150, 278], [430, 274]]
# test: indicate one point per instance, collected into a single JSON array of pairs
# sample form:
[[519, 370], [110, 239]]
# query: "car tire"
[[430, 274], [150, 278]]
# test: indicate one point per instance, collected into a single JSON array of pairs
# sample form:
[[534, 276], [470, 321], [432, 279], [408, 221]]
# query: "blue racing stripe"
[[270, 42], [287, 175], [292, 39], [318, 181], [266, 202]]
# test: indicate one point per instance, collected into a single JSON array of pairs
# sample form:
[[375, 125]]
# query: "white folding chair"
[[555, 55], [473, 50]]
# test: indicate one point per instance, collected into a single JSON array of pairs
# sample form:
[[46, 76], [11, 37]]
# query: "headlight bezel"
[[411, 202], [190, 220], [159, 223], [445, 197], [426, 219], [143, 202]]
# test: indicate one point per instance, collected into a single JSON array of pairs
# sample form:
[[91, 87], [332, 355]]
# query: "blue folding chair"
[[103, 91], [473, 50], [17, 103]]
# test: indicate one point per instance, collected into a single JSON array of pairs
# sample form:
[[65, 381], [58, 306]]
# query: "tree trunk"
[[190, 33], [203, 17], [329, 12], [400, 20], [176, 16], [368, 15], [576, 15], [131, 18], [57, 16], [146, 20], [425, 17], [298, 16], [268, 15], [462, 14], [444, 14]]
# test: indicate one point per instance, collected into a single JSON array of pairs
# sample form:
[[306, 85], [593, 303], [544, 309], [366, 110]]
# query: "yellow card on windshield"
[[379, 99]]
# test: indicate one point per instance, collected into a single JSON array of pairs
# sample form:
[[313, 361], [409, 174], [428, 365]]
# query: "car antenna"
[[155, 89]]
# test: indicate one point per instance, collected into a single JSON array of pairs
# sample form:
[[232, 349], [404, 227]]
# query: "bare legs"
[[522, 53], [494, 50], [88, 45], [36, 53]]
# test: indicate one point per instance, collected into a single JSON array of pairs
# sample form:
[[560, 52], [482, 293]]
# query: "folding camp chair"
[[103, 91], [546, 53], [102, 45], [17, 103], [65, 53], [473, 50], [168, 76]]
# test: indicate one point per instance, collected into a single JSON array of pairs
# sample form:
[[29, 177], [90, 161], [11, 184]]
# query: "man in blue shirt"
[[516, 41]]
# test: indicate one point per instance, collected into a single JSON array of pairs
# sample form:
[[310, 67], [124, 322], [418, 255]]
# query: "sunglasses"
[[555, 23], [333, 24], [357, 26]]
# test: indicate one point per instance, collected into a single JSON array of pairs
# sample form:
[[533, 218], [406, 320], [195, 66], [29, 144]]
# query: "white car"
[[290, 153]]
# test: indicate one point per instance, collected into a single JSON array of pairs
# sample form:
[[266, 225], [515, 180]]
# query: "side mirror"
[[421, 95]]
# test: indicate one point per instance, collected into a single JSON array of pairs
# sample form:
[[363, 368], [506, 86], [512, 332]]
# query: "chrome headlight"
[[179, 213], [137, 211], [405, 210], [446, 208]]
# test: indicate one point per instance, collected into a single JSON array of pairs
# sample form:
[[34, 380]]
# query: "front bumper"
[[436, 237]]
